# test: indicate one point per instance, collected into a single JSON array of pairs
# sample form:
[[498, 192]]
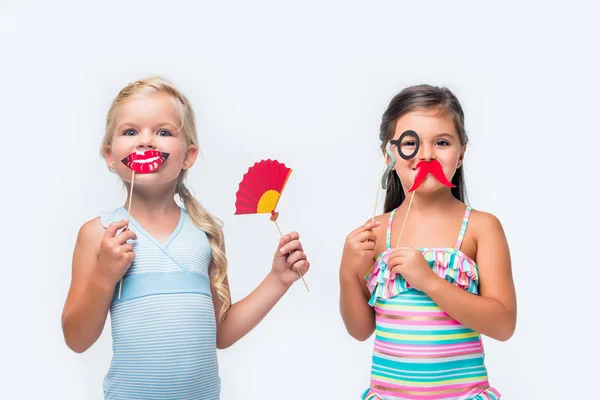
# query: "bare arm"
[[246, 314], [493, 312], [91, 291], [358, 315], [358, 256]]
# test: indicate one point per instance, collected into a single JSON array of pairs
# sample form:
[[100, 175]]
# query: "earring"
[[384, 178]]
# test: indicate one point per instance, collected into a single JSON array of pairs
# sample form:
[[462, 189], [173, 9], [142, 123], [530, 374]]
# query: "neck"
[[151, 201]]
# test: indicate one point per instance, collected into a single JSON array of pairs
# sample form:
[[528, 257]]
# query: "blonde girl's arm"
[[88, 300], [246, 314], [92, 285]]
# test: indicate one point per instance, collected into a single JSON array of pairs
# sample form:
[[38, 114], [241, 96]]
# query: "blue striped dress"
[[163, 325]]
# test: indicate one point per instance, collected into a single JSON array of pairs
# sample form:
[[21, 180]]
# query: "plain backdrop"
[[305, 83]]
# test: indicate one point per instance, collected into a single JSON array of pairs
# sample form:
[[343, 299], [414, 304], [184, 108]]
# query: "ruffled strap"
[[110, 216], [449, 264], [488, 394]]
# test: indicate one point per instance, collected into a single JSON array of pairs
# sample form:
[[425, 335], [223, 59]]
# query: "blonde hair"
[[198, 214]]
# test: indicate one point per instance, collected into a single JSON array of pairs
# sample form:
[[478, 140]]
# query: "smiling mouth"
[[145, 163]]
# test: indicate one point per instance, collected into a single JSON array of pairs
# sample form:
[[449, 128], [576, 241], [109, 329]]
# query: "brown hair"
[[411, 99]]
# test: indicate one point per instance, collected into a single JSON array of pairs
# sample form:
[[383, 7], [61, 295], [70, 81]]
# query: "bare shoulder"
[[484, 223], [383, 221], [90, 233]]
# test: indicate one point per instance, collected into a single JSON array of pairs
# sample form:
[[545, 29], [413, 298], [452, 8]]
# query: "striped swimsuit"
[[420, 352], [163, 326]]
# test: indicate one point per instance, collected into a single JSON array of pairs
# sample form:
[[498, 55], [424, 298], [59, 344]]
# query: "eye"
[[409, 143], [442, 143], [129, 132], [164, 132]]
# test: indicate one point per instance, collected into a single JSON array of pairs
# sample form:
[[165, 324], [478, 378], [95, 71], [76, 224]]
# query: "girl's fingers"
[[291, 246]]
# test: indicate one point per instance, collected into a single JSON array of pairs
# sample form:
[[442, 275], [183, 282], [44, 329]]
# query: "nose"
[[426, 152], [146, 140]]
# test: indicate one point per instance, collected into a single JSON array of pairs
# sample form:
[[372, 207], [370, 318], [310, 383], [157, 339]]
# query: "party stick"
[[412, 196], [145, 162], [423, 169], [128, 215]]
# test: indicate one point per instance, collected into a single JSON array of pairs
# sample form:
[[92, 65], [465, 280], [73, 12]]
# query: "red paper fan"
[[261, 188]]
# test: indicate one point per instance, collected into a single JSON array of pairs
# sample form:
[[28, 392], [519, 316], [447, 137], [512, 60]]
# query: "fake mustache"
[[435, 168]]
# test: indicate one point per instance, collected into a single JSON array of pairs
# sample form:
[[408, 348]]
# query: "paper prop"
[[145, 163], [142, 163], [413, 144], [435, 168], [260, 190], [388, 169], [423, 169], [407, 145]]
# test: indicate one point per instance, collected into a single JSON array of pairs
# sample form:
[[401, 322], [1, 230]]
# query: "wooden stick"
[[128, 214], [298, 271], [405, 217]]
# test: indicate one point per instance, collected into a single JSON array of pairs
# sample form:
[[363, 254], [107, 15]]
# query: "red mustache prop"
[[147, 162], [425, 167]]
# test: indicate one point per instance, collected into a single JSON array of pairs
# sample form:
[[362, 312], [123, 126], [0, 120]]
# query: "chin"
[[153, 178]]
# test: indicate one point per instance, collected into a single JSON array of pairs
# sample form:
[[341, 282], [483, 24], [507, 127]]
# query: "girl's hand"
[[116, 255], [289, 258], [359, 249], [410, 263]]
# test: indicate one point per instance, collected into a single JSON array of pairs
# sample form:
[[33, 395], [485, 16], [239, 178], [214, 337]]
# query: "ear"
[[190, 156], [108, 156], [461, 157]]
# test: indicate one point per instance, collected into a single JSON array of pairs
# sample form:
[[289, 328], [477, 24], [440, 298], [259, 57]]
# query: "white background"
[[305, 83]]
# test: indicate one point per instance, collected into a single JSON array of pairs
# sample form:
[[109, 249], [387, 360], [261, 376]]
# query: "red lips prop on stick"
[[142, 163], [423, 168]]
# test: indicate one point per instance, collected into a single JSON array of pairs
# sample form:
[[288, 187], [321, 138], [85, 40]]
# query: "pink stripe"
[[467, 386], [431, 322], [409, 354], [411, 313], [427, 349], [459, 346]]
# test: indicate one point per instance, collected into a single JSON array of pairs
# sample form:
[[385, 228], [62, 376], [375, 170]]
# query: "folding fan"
[[260, 190]]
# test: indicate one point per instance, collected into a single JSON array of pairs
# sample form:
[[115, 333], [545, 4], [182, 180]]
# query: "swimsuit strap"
[[463, 228]]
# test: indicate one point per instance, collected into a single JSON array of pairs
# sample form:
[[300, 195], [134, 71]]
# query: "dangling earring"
[[387, 171]]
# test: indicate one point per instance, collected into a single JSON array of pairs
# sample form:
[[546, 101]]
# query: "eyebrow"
[[446, 135]]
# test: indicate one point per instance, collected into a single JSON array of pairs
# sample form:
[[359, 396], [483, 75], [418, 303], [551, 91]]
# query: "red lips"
[[425, 167], [145, 163]]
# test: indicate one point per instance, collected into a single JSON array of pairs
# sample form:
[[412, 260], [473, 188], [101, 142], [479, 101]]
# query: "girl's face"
[[439, 141], [149, 123]]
